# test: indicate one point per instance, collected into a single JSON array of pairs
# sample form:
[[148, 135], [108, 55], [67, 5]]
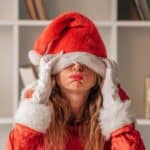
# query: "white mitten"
[[44, 85], [114, 113]]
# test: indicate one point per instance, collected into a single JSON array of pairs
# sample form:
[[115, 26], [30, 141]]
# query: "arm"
[[25, 138], [27, 133], [33, 115], [116, 119], [125, 138]]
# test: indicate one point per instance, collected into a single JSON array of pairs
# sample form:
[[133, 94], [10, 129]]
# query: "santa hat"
[[77, 36]]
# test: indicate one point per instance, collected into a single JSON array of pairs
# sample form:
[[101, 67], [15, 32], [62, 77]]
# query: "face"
[[76, 78]]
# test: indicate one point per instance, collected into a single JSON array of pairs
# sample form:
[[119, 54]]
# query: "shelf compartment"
[[127, 10], [46, 22], [106, 35], [6, 120], [6, 65], [143, 121], [27, 36], [133, 23], [6, 23], [133, 58], [7, 8], [145, 133], [53, 8], [4, 132]]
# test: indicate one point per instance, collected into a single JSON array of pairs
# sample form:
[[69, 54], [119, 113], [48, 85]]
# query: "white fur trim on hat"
[[34, 115], [94, 63], [34, 57], [114, 117]]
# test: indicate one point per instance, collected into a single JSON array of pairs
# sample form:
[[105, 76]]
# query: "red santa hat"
[[77, 36]]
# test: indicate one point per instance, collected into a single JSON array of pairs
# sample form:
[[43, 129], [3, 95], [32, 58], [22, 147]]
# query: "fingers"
[[45, 59], [55, 59], [48, 61], [107, 63], [112, 65]]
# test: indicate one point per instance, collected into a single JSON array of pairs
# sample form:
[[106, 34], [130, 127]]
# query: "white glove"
[[110, 83], [44, 85], [115, 113]]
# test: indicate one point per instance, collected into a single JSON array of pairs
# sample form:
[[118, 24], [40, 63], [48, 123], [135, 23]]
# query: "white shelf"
[[103, 23], [46, 22], [133, 23], [143, 121], [6, 23], [6, 120], [34, 22]]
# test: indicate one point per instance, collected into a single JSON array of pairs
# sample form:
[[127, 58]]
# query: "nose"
[[77, 67]]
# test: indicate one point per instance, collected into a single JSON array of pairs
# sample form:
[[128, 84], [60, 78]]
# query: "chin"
[[76, 85]]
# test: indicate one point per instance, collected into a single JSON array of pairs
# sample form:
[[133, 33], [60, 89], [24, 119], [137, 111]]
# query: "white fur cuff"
[[115, 117], [34, 115]]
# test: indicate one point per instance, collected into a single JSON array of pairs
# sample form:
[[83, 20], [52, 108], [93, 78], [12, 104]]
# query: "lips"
[[76, 77]]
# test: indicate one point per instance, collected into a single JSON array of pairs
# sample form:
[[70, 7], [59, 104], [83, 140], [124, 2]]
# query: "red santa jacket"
[[25, 138], [31, 121]]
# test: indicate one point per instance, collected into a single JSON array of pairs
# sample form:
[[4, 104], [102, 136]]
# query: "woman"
[[77, 103]]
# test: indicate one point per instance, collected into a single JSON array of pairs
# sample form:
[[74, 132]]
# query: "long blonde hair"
[[90, 133]]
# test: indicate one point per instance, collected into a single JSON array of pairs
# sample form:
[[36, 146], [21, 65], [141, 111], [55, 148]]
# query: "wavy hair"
[[89, 131]]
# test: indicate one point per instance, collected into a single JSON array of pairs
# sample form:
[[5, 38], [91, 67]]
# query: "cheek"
[[60, 79], [92, 79]]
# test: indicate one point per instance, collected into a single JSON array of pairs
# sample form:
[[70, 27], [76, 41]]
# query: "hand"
[[110, 83], [115, 113], [44, 85]]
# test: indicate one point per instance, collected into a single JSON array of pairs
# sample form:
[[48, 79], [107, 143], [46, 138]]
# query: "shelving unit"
[[127, 42]]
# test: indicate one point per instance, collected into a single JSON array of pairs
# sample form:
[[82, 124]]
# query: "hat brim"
[[94, 63], [91, 61]]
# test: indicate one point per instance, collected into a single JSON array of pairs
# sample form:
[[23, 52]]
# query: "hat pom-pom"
[[34, 57]]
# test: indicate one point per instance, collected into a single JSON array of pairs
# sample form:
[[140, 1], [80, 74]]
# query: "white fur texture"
[[34, 115], [34, 57], [93, 62], [115, 117]]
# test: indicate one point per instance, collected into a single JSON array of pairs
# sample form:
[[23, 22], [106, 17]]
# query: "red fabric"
[[74, 142], [127, 138], [123, 95], [70, 32], [24, 138]]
